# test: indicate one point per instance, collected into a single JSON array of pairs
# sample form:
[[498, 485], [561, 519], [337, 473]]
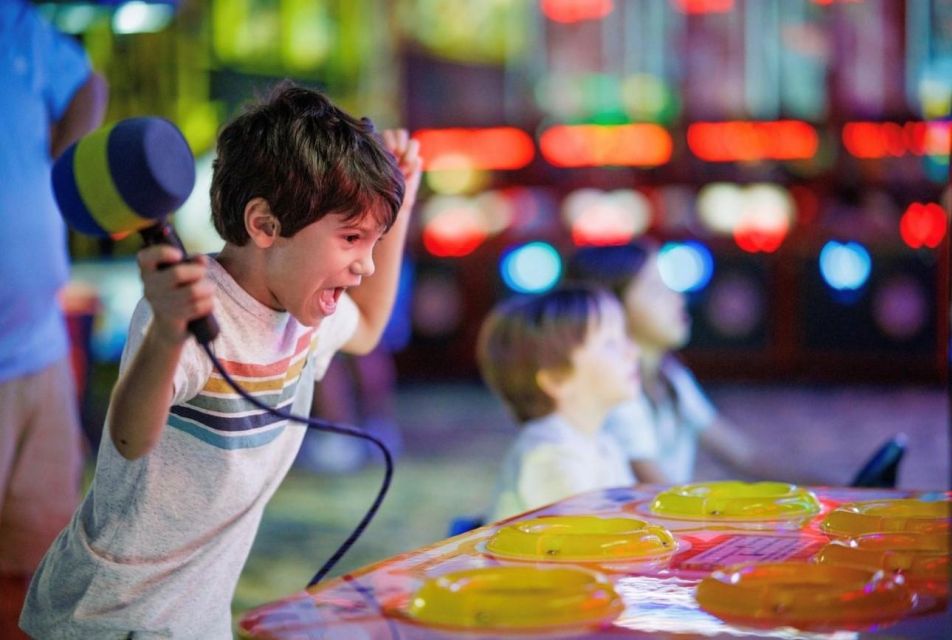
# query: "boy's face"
[[308, 272], [657, 314], [605, 366]]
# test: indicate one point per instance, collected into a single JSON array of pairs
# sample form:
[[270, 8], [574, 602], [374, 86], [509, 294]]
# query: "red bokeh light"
[[741, 140], [923, 225], [453, 235], [882, 139], [704, 6], [754, 240], [568, 11], [490, 148]]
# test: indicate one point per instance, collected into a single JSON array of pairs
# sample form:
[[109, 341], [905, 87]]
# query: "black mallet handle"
[[204, 329]]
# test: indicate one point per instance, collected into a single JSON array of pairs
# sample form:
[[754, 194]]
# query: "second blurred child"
[[560, 361], [661, 429]]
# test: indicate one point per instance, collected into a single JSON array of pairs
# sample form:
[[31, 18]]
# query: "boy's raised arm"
[[140, 401], [375, 295]]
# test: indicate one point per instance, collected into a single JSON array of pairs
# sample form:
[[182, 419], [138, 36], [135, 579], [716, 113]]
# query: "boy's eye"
[[351, 239]]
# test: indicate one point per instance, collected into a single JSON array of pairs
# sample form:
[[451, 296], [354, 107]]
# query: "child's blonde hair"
[[527, 334]]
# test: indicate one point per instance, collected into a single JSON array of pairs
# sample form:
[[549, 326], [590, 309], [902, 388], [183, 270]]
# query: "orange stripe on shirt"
[[215, 384], [251, 370]]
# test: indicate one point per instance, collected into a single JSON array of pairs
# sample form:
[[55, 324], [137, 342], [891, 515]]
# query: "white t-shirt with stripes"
[[159, 542]]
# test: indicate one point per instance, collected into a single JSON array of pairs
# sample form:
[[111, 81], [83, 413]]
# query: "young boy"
[[560, 361], [303, 195], [659, 430]]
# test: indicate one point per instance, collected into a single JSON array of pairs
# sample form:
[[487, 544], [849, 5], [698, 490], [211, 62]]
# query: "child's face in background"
[[605, 366], [308, 271], [657, 314]]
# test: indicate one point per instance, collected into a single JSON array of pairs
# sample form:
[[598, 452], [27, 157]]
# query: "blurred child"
[[560, 361], [660, 428], [303, 195]]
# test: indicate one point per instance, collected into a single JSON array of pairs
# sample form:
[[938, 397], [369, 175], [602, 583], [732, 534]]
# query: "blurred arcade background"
[[791, 156]]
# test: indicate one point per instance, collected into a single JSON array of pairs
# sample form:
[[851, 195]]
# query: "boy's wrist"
[[164, 336]]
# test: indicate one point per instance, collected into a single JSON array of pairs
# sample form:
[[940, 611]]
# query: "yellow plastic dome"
[[731, 499], [582, 538], [919, 557], [516, 597], [804, 595], [888, 516]]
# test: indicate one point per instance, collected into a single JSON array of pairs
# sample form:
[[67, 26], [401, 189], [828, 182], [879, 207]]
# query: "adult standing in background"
[[50, 98]]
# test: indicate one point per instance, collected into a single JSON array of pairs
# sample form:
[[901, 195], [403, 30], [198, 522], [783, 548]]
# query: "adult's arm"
[[649, 472], [85, 112]]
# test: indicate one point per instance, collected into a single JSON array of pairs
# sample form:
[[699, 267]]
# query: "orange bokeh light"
[[490, 148], [740, 140], [592, 145]]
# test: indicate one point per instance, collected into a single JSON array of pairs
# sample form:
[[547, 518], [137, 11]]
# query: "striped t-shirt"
[[159, 542]]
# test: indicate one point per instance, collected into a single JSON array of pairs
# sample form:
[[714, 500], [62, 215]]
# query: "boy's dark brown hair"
[[524, 335], [306, 158]]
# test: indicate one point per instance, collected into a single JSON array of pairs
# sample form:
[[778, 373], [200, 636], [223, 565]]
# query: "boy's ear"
[[262, 226], [549, 381]]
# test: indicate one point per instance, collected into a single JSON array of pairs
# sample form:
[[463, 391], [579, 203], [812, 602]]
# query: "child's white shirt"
[[551, 460], [157, 546]]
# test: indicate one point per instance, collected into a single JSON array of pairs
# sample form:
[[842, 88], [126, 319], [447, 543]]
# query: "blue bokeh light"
[[845, 266], [685, 266], [531, 268]]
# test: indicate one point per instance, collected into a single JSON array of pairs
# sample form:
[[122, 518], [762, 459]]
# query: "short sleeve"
[[696, 409], [194, 367], [63, 64], [631, 425]]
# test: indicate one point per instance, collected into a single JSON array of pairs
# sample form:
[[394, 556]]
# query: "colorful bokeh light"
[[452, 227], [900, 307], [598, 218], [749, 141], [592, 145], [758, 216], [891, 139], [845, 266], [531, 268], [569, 11], [685, 266]]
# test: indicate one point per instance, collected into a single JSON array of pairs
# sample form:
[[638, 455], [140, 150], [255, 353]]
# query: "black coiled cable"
[[321, 425]]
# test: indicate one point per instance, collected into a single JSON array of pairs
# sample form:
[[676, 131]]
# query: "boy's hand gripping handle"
[[204, 329]]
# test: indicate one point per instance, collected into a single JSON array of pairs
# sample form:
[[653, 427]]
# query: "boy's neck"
[[649, 362], [583, 417], [246, 267]]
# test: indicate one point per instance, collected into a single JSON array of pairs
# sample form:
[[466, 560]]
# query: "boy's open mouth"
[[328, 299]]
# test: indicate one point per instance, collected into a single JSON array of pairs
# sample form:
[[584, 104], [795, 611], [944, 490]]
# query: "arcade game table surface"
[[721, 559]]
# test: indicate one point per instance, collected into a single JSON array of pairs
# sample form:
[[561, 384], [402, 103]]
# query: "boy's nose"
[[364, 266]]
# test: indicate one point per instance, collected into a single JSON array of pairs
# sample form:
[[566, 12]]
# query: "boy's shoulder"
[[551, 429]]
